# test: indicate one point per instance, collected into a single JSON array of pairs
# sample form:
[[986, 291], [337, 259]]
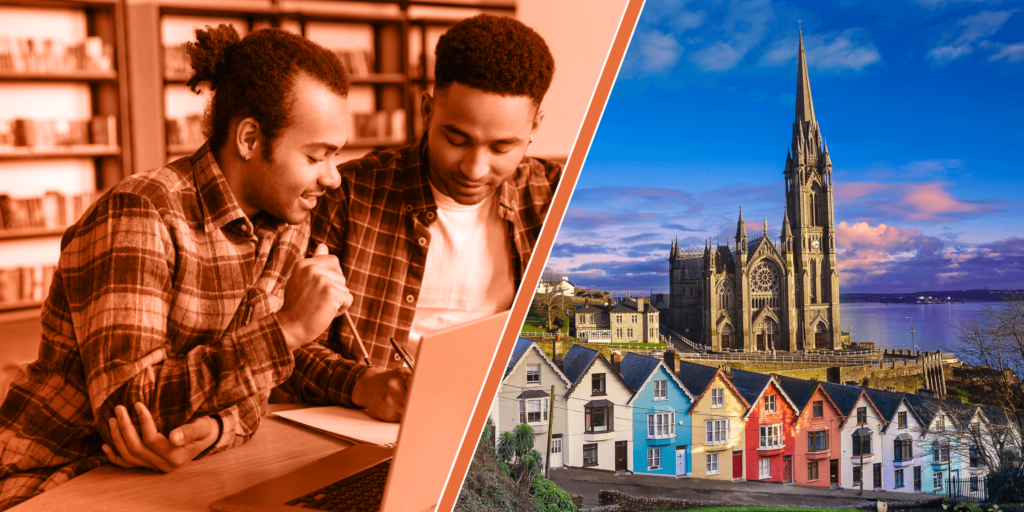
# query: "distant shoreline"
[[927, 297]]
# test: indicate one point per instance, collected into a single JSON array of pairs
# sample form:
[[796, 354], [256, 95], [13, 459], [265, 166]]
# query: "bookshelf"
[[64, 133], [372, 38]]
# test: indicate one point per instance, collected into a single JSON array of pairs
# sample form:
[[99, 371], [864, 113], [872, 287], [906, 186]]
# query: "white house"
[[563, 287], [901, 442], [861, 437], [599, 425], [525, 397]]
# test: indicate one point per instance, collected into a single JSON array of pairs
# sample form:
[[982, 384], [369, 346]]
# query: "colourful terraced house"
[[661, 415], [599, 427], [718, 429], [860, 437], [939, 443], [770, 429], [815, 460], [901, 451]]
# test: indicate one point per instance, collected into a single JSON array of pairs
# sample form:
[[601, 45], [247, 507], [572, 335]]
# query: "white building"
[[901, 442], [861, 437], [599, 425], [563, 287]]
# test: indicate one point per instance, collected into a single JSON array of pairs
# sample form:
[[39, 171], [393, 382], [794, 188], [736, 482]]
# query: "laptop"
[[450, 370]]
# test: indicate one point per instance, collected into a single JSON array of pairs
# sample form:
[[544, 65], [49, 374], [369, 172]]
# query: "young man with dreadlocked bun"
[[184, 291]]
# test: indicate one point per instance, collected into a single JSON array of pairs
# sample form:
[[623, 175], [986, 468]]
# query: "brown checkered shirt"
[[377, 224], [165, 294]]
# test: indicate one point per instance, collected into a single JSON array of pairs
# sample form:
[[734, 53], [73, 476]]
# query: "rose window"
[[765, 278]]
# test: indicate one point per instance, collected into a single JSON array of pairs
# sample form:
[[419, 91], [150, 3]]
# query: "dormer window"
[[862, 415], [769, 403], [661, 390], [597, 384], [717, 398], [818, 408], [901, 419]]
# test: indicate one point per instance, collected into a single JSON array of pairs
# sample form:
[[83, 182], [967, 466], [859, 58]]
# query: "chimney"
[[640, 304], [891, 389], [615, 360], [670, 360], [556, 355]]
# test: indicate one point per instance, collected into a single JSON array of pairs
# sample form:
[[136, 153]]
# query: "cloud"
[[931, 200], [642, 195], [1010, 52], [568, 250], [915, 202], [849, 49], [654, 52], [745, 26], [642, 237], [976, 27]]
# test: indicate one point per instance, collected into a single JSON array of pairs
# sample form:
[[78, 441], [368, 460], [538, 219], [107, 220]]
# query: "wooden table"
[[278, 447]]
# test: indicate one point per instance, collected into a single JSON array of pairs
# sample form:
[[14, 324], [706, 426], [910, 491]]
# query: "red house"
[[770, 427], [818, 446]]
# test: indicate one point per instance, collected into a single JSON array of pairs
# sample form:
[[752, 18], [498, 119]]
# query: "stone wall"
[[907, 379], [614, 501]]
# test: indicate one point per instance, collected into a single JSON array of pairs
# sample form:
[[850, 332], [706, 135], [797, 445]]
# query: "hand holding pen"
[[314, 295]]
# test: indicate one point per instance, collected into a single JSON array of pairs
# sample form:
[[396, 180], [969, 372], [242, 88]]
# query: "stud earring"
[[246, 156], [531, 140]]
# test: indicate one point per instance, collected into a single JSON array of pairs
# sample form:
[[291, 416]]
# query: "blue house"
[[661, 417]]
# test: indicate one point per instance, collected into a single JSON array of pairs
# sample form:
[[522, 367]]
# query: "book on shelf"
[[51, 211], [33, 55], [185, 132], [43, 134], [357, 63], [384, 126], [25, 285]]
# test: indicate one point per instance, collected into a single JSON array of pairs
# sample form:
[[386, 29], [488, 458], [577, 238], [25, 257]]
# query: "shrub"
[[549, 497]]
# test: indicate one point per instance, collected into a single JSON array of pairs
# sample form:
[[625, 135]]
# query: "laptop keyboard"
[[360, 492]]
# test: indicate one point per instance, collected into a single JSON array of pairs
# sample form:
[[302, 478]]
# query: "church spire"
[[804, 104], [787, 233], [741, 234]]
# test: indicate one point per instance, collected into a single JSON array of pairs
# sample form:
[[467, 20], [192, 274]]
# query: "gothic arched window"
[[725, 295], [765, 286]]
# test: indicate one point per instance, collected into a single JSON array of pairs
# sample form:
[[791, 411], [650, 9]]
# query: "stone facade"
[[630, 321], [761, 294]]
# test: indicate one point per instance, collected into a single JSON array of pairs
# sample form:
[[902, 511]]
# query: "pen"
[[359, 341], [401, 351]]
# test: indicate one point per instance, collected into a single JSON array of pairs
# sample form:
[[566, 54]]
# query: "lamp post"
[[860, 439], [913, 338]]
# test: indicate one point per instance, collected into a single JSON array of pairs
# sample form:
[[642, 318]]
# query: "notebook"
[[352, 425]]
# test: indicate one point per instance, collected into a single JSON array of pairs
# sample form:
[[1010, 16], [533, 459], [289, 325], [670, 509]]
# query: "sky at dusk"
[[921, 103]]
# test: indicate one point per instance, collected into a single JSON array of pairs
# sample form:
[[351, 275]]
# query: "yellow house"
[[718, 426]]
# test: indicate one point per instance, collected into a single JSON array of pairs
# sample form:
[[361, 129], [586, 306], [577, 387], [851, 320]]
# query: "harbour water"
[[889, 327]]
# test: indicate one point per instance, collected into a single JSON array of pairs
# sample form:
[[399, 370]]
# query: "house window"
[[590, 455], [533, 374], [618, 319], [937, 480], [661, 425], [712, 464], [654, 458], [769, 403], [597, 384], [771, 436], [976, 457], [661, 390], [618, 333], [899, 478], [718, 398], [533, 411], [812, 470], [717, 431], [764, 467], [598, 419], [901, 419], [818, 408], [940, 451], [862, 415], [876, 476], [974, 484], [633, 318], [862, 442], [629, 333], [903, 449], [651, 335], [856, 475], [556, 445], [940, 423], [817, 440]]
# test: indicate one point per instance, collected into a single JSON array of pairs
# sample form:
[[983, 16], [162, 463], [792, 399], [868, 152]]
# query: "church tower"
[[808, 178]]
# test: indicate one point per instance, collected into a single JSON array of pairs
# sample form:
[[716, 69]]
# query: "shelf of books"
[[372, 40], [63, 130]]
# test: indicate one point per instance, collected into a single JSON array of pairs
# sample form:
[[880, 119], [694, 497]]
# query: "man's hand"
[[153, 450], [314, 295], [382, 392]]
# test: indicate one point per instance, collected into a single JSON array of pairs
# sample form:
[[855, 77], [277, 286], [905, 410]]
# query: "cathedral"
[[762, 294]]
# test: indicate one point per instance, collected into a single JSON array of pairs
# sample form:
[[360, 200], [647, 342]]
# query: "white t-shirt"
[[468, 273]]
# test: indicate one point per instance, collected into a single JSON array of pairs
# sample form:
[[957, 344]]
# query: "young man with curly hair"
[[438, 232], [184, 290]]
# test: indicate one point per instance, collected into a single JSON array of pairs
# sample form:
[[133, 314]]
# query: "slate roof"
[[925, 407], [750, 384], [576, 362], [887, 402], [522, 345], [590, 308], [845, 397], [798, 390], [636, 369], [696, 377]]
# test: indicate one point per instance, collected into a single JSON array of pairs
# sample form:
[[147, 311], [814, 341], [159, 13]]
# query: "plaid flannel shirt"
[[165, 294], [377, 224]]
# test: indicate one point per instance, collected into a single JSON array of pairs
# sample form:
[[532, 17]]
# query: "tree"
[[550, 306], [551, 275], [994, 337], [520, 461]]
